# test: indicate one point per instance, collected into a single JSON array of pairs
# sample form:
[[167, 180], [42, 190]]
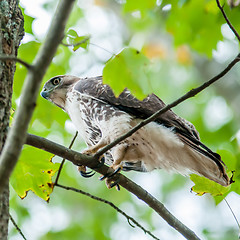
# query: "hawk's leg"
[[90, 151], [93, 149], [118, 156]]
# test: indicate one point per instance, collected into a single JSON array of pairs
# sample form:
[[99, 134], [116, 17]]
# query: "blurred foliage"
[[168, 49], [131, 68], [142, 5], [192, 31]]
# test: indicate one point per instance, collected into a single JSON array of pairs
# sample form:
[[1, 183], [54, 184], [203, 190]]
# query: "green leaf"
[[82, 41], [231, 158], [26, 52], [34, 172], [28, 20], [183, 22], [72, 33], [128, 69], [204, 185], [28, 24], [77, 41]]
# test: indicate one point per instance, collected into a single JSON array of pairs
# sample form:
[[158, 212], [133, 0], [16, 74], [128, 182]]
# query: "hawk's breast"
[[79, 108]]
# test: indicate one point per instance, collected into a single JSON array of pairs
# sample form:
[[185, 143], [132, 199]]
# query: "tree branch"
[[83, 41], [111, 205], [234, 216], [92, 161], [17, 227], [17, 133], [227, 20], [63, 160], [13, 58], [76, 44], [189, 94]]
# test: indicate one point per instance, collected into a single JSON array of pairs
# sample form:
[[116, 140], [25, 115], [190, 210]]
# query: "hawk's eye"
[[56, 81]]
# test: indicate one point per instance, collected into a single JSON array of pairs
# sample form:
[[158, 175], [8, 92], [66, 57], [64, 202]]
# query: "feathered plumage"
[[170, 142]]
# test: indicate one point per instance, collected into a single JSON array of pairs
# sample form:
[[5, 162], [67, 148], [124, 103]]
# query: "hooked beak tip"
[[44, 94]]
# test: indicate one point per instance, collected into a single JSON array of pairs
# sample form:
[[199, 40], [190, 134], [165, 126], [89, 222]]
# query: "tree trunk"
[[11, 33]]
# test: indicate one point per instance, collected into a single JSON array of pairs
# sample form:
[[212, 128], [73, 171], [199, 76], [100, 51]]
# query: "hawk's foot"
[[82, 168], [87, 174], [109, 175], [83, 171], [109, 182]]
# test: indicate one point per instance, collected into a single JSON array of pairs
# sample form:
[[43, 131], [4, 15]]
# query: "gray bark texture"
[[11, 33]]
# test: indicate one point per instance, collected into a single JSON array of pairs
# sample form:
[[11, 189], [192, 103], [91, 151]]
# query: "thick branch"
[[17, 134], [138, 191], [13, 58], [228, 21], [189, 94]]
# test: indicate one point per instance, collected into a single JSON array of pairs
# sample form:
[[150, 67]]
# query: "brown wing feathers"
[[145, 108]]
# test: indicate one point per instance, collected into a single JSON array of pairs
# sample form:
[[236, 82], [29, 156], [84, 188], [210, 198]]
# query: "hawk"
[[170, 142]]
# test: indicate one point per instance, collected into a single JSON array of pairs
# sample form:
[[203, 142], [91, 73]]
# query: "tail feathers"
[[210, 170], [205, 162]]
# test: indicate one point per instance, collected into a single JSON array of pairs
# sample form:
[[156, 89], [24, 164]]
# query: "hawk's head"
[[56, 88]]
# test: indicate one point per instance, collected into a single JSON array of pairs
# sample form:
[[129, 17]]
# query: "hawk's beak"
[[45, 94]]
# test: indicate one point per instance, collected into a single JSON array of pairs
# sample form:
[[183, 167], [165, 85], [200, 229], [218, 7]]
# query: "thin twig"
[[232, 213], [13, 58], [189, 94], [63, 160], [76, 44], [227, 20], [83, 41], [129, 218], [16, 226], [103, 49]]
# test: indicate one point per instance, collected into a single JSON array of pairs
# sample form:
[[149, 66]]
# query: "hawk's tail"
[[205, 162]]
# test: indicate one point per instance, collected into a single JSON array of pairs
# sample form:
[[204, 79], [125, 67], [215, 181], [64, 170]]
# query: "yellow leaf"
[[155, 50], [183, 55]]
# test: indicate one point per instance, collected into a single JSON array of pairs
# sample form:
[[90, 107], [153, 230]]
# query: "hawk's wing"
[[143, 109], [128, 103]]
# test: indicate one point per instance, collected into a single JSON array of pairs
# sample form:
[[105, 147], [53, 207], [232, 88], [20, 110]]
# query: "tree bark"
[[11, 33]]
